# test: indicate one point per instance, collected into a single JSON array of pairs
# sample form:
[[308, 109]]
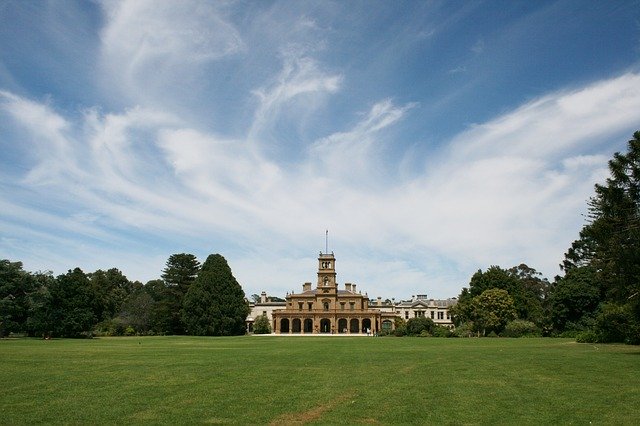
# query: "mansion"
[[330, 310]]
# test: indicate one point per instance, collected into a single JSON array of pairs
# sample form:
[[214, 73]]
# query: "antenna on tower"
[[326, 241]]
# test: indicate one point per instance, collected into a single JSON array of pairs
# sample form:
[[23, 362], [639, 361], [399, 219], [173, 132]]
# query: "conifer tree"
[[215, 304]]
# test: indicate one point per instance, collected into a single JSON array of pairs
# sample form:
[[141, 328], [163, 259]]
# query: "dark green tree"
[[215, 304], [180, 272], [610, 241], [136, 311], [15, 286], [575, 299], [532, 297], [417, 325], [40, 321], [160, 317], [110, 289], [71, 312]]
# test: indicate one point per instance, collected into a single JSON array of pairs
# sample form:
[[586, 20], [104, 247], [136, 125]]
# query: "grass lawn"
[[296, 380]]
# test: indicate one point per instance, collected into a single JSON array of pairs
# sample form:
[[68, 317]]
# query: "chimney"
[[347, 286], [306, 287], [353, 288], [379, 301], [263, 297]]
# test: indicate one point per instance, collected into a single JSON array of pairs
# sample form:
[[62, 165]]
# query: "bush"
[[588, 336], [262, 325], [424, 333], [521, 328], [463, 330], [441, 331], [612, 324], [415, 326], [400, 331]]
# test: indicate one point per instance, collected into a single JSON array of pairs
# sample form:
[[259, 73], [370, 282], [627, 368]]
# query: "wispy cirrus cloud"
[[495, 196]]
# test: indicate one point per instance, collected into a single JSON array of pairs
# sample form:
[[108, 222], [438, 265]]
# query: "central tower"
[[327, 273]]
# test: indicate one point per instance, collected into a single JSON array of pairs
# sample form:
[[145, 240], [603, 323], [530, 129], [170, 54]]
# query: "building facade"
[[326, 309]]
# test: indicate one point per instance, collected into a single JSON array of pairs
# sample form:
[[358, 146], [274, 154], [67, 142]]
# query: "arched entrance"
[[366, 325], [308, 325], [342, 325], [354, 325], [296, 325], [325, 325], [284, 325]]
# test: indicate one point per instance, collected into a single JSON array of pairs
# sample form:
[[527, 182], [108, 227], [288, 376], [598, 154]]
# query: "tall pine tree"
[[215, 304], [610, 242]]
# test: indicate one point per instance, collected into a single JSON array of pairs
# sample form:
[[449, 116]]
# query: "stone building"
[[328, 309]]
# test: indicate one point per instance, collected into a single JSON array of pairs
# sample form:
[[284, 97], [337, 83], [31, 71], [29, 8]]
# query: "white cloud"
[[300, 77], [504, 192], [150, 45]]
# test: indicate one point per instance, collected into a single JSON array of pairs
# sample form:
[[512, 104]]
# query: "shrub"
[[400, 331], [521, 328], [440, 331], [463, 330], [612, 323], [588, 336], [262, 325], [424, 333], [415, 326]]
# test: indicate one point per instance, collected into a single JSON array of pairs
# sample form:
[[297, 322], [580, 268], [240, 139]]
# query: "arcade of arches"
[[326, 309]]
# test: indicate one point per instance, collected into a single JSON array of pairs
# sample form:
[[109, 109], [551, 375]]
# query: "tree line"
[[190, 298], [596, 300], [598, 297]]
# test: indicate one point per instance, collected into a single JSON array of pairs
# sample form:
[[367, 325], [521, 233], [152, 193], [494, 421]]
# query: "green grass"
[[262, 380]]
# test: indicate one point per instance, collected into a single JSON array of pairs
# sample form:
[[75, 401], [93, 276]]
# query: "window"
[[264, 313], [325, 305], [342, 306], [448, 315], [300, 304], [406, 314], [352, 306], [431, 314], [310, 306], [440, 315]]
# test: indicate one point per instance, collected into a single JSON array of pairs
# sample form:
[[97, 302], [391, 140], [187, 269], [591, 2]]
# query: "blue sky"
[[431, 138]]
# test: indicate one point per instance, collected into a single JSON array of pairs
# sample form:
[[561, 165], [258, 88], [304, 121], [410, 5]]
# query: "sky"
[[430, 138]]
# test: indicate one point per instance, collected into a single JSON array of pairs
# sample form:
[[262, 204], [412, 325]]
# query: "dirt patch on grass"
[[315, 413]]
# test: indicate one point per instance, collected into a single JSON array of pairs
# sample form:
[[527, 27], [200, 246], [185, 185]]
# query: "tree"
[[160, 317], [70, 298], [261, 325], [15, 286], [525, 285], [180, 272], [215, 304], [110, 289], [415, 326], [136, 311], [531, 299], [40, 320], [492, 310], [610, 241], [575, 297]]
